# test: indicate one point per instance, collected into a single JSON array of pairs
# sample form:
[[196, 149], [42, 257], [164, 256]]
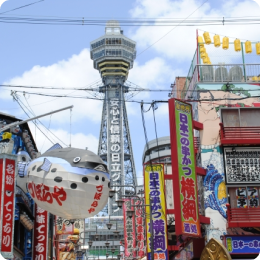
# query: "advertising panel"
[[242, 165], [40, 238], [140, 227], [243, 244], [184, 169], [129, 230], [155, 197], [8, 173]]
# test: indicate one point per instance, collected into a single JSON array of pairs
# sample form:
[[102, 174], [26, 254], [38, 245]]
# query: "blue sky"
[[49, 55]]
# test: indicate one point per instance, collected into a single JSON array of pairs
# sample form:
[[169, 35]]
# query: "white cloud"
[[78, 140], [76, 72], [180, 44]]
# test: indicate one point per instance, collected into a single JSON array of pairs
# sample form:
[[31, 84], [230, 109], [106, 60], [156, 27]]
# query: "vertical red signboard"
[[184, 169], [7, 203], [140, 228], [129, 230], [40, 237]]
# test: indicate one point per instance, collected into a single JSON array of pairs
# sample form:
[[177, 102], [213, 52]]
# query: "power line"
[[171, 29], [15, 98], [21, 7], [133, 22], [135, 101]]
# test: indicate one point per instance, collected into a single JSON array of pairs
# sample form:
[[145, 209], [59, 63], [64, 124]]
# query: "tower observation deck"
[[113, 55]]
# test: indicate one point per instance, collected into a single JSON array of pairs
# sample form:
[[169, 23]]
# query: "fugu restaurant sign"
[[7, 204]]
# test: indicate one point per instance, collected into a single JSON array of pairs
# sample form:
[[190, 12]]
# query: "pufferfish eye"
[[100, 168], [76, 159]]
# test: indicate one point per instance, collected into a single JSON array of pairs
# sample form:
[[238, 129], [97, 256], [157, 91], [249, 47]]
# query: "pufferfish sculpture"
[[70, 183]]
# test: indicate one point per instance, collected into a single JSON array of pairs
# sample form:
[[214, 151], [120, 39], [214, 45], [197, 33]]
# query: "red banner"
[[129, 230], [40, 238], [7, 205], [140, 228]]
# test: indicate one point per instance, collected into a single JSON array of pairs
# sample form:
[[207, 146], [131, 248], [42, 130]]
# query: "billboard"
[[184, 169], [243, 244], [155, 197], [129, 229], [7, 204]]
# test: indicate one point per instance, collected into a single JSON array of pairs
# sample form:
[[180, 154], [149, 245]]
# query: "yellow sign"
[[155, 197]]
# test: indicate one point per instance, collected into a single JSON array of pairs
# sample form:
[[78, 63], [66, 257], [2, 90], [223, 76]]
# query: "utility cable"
[[21, 7], [32, 112], [33, 122], [171, 29], [137, 101]]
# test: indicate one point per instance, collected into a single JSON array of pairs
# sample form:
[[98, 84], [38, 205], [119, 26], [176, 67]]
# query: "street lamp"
[[90, 243], [107, 244], [111, 193], [109, 225], [113, 250], [129, 213], [120, 203]]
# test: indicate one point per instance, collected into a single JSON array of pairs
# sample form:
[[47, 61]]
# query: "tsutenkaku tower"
[[113, 55]]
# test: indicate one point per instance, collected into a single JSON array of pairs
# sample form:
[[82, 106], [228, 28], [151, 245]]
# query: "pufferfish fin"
[[54, 147], [46, 165], [100, 168]]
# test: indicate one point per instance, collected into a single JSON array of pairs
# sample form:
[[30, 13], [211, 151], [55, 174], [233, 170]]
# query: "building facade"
[[225, 101]]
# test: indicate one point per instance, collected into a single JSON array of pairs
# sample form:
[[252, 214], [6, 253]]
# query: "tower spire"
[[113, 55]]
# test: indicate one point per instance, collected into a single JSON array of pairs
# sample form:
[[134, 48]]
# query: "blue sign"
[[243, 244]]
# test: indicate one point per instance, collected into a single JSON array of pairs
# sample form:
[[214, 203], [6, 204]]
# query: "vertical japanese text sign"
[[7, 204], [40, 236], [140, 227], [184, 169], [154, 192], [129, 230]]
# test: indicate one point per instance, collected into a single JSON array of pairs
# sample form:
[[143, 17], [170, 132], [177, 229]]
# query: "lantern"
[[73, 182], [216, 41], [237, 45], [255, 78], [257, 47], [225, 43], [206, 60], [203, 55], [202, 50], [248, 47], [207, 38], [200, 41]]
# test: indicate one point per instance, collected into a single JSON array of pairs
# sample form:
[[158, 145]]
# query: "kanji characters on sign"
[[7, 181], [40, 233]]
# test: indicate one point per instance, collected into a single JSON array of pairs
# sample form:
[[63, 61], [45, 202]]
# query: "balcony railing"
[[196, 144], [239, 135], [243, 217], [222, 73]]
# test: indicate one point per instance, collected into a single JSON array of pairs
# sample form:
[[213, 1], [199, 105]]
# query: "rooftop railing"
[[222, 73]]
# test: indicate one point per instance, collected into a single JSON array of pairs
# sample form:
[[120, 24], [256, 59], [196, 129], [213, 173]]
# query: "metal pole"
[[151, 228], [243, 57], [32, 118]]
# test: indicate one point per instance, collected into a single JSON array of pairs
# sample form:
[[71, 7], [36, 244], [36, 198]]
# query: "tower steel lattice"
[[113, 55]]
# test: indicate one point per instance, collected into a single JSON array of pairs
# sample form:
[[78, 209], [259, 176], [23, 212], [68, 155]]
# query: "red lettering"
[[59, 195], [91, 210], [97, 196], [99, 188], [94, 204]]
